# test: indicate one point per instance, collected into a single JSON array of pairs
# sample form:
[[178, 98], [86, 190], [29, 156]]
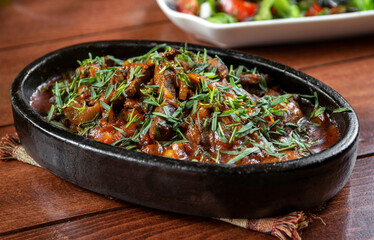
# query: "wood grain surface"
[[34, 204]]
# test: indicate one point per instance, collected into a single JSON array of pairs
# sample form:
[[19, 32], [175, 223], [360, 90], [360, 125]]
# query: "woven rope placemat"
[[282, 227]]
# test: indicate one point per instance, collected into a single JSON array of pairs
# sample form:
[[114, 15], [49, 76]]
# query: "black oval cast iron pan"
[[182, 186]]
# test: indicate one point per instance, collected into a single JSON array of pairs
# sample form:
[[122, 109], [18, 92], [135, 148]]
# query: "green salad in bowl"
[[231, 11]]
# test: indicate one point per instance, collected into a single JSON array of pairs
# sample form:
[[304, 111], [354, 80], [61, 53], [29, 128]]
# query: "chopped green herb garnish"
[[105, 106], [243, 154], [343, 109]]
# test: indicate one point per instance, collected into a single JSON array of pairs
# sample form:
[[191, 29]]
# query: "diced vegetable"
[[363, 5], [286, 9], [240, 9], [264, 13], [221, 18]]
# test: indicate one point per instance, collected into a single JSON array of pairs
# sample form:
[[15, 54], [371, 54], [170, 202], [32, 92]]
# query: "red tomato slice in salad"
[[239, 8], [313, 10], [187, 6]]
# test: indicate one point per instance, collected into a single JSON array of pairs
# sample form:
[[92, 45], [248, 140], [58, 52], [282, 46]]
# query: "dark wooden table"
[[35, 204]]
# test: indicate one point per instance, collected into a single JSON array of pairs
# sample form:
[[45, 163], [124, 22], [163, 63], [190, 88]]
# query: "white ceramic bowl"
[[272, 31]]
